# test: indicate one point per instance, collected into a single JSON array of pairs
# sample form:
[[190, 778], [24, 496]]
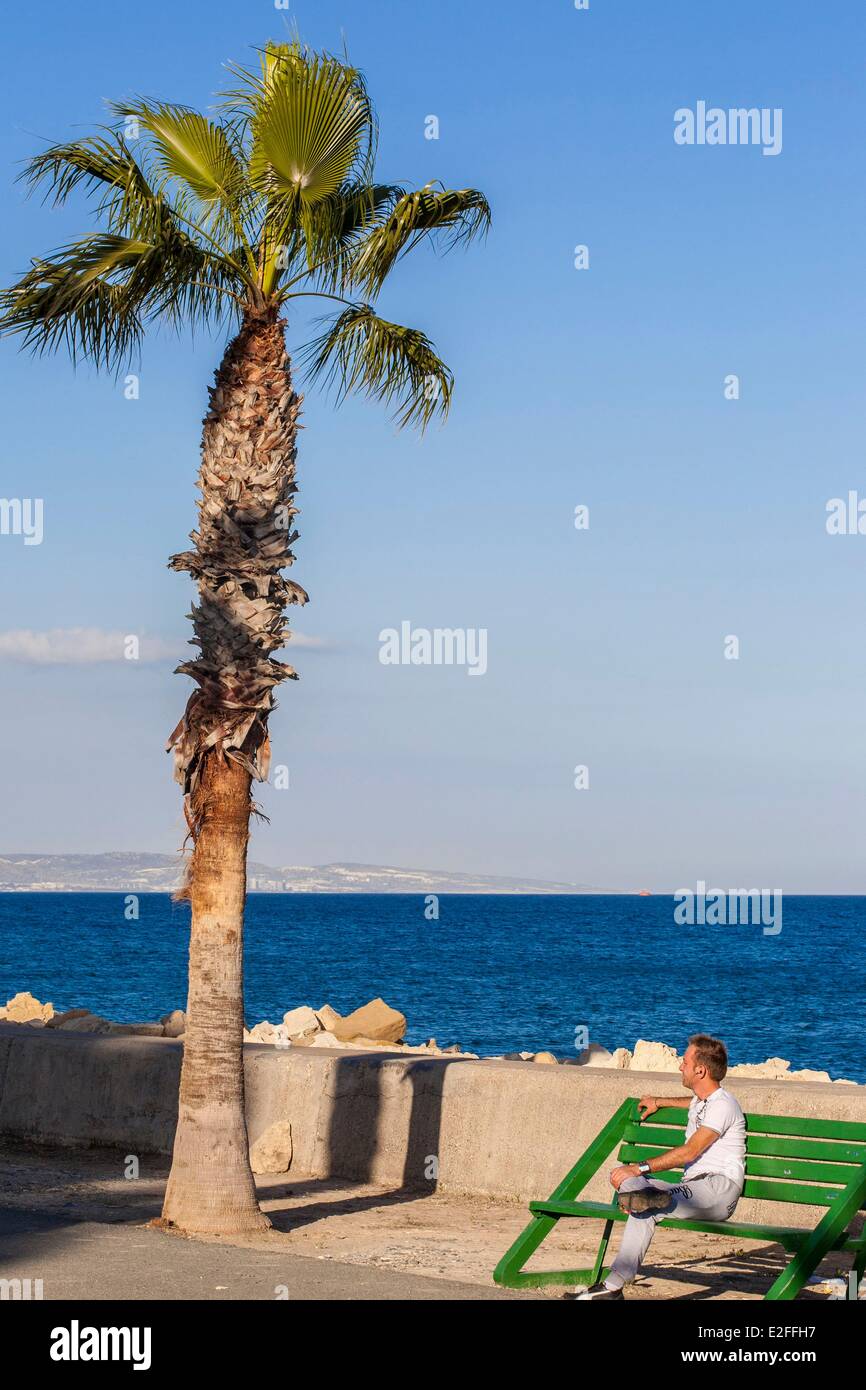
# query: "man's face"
[[688, 1067]]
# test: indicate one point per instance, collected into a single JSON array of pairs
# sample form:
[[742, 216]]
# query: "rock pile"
[[376, 1027], [652, 1056], [24, 1008]]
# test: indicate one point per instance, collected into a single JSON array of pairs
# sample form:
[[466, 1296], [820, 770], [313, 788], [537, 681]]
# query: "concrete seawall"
[[499, 1129]]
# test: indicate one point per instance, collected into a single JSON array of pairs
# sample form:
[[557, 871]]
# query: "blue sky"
[[601, 387]]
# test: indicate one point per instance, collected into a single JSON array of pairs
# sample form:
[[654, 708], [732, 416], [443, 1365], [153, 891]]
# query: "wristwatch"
[[644, 1169]]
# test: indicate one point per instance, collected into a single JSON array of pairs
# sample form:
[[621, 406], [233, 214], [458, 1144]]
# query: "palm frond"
[[333, 228], [193, 152], [102, 164], [94, 296], [76, 301], [460, 213], [312, 123], [359, 351]]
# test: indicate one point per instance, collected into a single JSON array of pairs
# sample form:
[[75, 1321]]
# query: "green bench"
[[807, 1162]]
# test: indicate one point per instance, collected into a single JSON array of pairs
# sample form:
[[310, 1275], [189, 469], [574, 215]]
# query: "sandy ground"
[[425, 1237]]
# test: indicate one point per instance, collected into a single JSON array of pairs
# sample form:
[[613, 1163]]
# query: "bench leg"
[[511, 1274], [598, 1267], [509, 1270], [816, 1246]]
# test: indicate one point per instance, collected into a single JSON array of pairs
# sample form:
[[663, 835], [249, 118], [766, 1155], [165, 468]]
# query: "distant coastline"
[[161, 873]]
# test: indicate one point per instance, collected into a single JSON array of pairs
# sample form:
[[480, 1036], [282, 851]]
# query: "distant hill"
[[160, 873]]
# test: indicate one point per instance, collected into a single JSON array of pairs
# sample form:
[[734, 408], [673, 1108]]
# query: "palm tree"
[[226, 221]]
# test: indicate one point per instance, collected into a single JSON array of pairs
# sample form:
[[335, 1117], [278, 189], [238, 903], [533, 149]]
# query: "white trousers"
[[708, 1197]]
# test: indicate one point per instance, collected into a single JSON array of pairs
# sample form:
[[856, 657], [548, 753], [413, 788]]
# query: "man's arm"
[[671, 1158], [648, 1105]]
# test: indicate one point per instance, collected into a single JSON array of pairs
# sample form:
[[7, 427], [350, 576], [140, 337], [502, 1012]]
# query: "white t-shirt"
[[721, 1112]]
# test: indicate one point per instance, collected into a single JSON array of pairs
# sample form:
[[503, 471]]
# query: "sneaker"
[[644, 1199], [596, 1292]]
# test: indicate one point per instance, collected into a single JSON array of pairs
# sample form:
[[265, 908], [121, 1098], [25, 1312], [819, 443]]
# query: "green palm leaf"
[[461, 213], [193, 150], [333, 227], [396, 365], [102, 164], [94, 296], [312, 125], [202, 219]]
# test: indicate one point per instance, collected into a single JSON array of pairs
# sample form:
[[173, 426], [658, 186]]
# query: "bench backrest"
[[788, 1159]]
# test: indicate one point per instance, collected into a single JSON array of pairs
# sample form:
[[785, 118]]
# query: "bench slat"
[[668, 1115], [770, 1190], [805, 1148], [850, 1130], [853, 1131], [758, 1167], [791, 1192], [651, 1134], [792, 1237]]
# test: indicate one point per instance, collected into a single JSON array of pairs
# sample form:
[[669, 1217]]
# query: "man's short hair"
[[711, 1053]]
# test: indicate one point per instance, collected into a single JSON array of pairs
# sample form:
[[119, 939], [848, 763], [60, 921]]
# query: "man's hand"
[[619, 1175], [647, 1105]]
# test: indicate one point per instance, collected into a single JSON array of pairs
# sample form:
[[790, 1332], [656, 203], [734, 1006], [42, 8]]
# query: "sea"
[[494, 973]]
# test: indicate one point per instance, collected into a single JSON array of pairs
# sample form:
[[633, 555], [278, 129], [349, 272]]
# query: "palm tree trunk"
[[211, 1188], [242, 544]]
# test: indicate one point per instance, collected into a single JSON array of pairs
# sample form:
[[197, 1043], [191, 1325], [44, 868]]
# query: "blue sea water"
[[494, 973]]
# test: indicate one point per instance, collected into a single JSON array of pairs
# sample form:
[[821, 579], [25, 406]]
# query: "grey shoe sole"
[[647, 1199]]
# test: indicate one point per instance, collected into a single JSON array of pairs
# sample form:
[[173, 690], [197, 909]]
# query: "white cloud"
[[77, 646], [86, 646]]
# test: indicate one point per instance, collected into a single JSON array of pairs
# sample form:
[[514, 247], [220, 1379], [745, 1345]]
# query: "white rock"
[[23, 1007], [774, 1069], [299, 1021], [651, 1056], [272, 1150], [263, 1032], [594, 1056], [323, 1039], [375, 1020], [547, 1058], [328, 1017], [174, 1023]]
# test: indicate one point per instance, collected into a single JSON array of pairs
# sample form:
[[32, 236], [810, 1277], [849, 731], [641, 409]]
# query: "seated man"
[[713, 1159]]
